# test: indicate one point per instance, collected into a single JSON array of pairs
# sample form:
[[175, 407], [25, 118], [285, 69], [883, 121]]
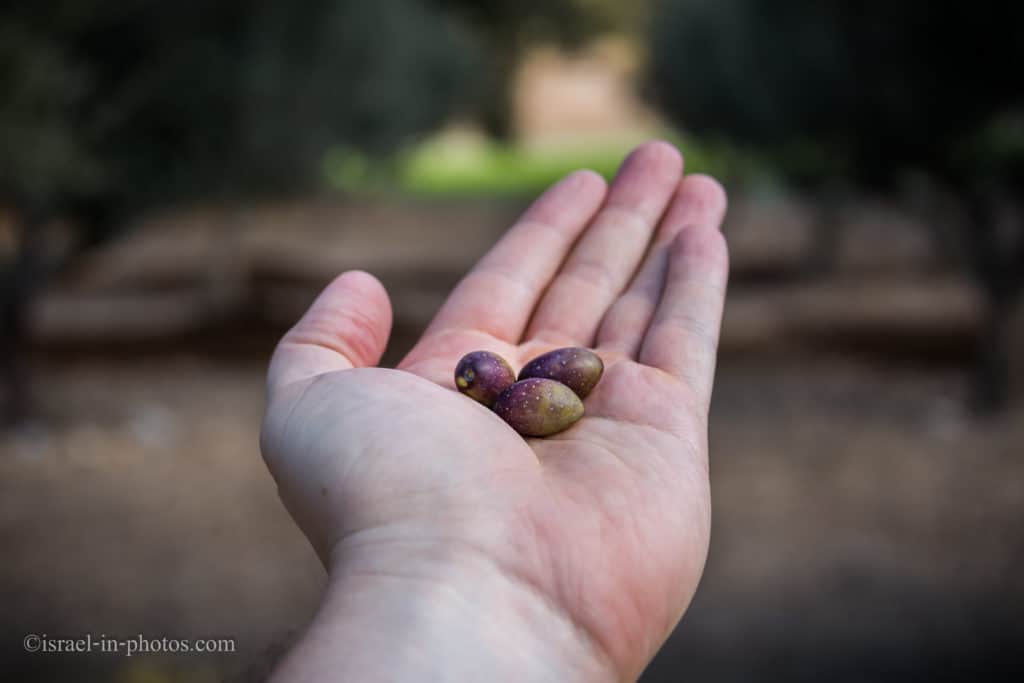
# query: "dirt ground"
[[866, 527]]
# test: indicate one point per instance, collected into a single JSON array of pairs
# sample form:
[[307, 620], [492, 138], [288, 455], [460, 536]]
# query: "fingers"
[[683, 337], [347, 326], [604, 260], [499, 294], [700, 204]]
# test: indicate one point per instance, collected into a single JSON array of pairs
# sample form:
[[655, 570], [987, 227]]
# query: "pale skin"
[[457, 550]]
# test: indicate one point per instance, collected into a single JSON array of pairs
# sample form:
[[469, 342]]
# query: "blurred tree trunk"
[[827, 231], [995, 243], [21, 278], [227, 270], [497, 96], [992, 372], [39, 251]]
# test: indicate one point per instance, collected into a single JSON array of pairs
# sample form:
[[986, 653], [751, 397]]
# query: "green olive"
[[539, 407]]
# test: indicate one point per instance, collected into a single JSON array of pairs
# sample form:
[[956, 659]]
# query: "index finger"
[[498, 296]]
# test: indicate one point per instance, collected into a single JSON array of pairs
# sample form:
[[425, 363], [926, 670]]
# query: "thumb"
[[347, 326]]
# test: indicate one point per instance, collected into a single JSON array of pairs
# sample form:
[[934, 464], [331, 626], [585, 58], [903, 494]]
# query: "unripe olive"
[[539, 407], [483, 375], [577, 368]]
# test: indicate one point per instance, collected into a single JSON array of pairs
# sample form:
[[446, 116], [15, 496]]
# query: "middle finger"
[[601, 264]]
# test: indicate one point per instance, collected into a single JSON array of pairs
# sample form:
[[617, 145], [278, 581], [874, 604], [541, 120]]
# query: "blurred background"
[[178, 180]]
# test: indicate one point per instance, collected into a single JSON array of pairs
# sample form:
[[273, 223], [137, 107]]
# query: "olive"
[[577, 368], [539, 407], [483, 375]]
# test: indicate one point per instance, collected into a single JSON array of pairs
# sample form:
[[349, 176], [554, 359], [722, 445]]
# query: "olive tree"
[[864, 95], [111, 107]]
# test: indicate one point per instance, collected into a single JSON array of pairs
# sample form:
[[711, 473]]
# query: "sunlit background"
[[178, 180]]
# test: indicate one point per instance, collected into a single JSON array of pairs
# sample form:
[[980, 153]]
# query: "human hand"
[[455, 548]]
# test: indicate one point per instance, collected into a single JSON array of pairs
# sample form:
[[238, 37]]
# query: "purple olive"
[[483, 375], [539, 407], [579, 369]]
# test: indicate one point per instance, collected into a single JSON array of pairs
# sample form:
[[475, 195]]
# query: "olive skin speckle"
[[546, 399], [483, 375], [539, 407], [578, 368]]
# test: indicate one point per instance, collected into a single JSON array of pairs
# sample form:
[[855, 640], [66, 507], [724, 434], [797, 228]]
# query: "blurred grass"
[[469, 166]]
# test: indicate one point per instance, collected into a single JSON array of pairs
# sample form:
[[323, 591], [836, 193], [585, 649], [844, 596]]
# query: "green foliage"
[[123, 105], [446, 167], [996, 150], [522, 22], [876, 86], [496, 169], [39, 146], [847, 92], [134, 103]]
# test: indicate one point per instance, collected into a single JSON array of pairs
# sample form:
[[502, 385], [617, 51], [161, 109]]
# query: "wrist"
[[398, 614]]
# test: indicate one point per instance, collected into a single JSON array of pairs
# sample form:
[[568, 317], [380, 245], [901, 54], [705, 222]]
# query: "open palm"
[[606, 522]]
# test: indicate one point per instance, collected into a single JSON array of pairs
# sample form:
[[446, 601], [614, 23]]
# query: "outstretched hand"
[[571, 557]]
